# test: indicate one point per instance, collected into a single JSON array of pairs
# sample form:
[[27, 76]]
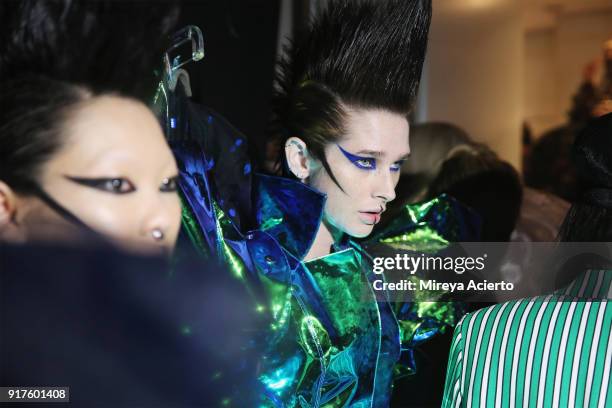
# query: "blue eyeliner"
[[357, 159], [398, 164]]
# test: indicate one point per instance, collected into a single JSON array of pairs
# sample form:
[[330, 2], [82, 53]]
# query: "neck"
[[326, 236]]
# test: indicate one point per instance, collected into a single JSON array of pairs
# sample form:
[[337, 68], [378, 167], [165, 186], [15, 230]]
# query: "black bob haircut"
[[359, 53]]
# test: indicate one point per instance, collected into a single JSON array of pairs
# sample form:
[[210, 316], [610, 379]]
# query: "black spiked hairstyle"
[[359, 53], [105, 45]]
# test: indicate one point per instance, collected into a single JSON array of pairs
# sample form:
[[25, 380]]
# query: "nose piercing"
[[157, 234]]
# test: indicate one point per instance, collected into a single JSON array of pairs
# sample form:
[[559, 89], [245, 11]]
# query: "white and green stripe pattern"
[[550, 351]]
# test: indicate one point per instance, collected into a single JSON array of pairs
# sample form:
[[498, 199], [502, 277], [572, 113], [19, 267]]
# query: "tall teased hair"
[[106, 45], [369, 52], [359, 53]]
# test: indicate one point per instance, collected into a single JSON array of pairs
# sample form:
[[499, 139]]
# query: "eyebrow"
[[377, 153]]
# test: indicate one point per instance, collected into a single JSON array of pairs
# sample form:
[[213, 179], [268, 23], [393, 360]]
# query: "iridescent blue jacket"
[[330, 342]]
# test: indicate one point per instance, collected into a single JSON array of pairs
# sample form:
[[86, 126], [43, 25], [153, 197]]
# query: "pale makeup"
[[366, 163]]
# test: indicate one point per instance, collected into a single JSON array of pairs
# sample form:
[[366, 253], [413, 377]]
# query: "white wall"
[[474, 76], [555, 59], [542, 101]]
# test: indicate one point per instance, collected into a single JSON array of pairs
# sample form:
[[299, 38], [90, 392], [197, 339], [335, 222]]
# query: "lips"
[[370, 217]]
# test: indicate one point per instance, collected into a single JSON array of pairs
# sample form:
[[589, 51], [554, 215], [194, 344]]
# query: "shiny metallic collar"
[[288, 210]]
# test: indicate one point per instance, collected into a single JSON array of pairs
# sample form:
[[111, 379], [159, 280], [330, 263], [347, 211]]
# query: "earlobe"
[[7, 203], [297, 157], [8, 209]]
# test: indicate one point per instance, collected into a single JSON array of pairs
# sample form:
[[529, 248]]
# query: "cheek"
[[174, 217], [337, 201], [129, 219], [346, 174], [341, 212], [37, 221], [396, 178], [112, 215]]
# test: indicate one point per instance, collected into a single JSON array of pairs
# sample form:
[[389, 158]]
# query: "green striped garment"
[[548, 351]]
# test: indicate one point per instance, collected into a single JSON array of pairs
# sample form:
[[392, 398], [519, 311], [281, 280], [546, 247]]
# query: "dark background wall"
[[235, 77]]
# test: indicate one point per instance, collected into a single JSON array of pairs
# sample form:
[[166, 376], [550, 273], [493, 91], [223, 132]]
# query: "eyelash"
[[371, 164], [397, 166], [115, 186], [169, 185], [366, 164], [120, 185]]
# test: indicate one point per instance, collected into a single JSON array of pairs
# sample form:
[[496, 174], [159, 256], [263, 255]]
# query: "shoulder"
[[493, 317]]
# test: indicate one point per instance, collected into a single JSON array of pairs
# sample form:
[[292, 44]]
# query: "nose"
[[384, 186], [156, 222]]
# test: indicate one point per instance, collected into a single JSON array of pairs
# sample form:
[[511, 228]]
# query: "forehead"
[[378, 130], [113, 129]]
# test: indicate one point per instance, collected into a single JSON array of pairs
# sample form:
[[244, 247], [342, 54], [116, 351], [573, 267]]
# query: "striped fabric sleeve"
[[454, 378]]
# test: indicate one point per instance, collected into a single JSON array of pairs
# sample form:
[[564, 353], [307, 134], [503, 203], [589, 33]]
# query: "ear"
[[298, 158], [9, 228]]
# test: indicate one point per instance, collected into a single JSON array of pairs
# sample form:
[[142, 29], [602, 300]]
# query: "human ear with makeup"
[[299, 162]]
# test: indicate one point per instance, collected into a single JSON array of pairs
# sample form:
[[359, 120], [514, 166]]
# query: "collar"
[[289, 211]]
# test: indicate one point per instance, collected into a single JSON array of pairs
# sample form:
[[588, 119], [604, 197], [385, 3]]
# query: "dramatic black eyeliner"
[[108, 184], [170, 186]]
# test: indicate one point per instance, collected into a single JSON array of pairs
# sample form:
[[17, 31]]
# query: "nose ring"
[[157, 234]]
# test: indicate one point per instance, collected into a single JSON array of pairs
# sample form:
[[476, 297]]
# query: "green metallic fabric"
[[330, 343]]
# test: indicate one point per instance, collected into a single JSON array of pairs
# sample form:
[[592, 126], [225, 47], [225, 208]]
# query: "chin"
[[361, 231], [144, 248]]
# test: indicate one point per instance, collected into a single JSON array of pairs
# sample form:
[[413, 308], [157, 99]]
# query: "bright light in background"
[[480, 4], [469, 5]]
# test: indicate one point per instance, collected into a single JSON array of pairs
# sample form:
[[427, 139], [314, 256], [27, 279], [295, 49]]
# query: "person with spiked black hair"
[[344, 93], [343, 96], [357, 56]]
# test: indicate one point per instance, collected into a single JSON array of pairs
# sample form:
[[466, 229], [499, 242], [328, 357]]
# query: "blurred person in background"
[[549, 167], [429, 145], [594, 97], [477, 177], [444, 160]]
